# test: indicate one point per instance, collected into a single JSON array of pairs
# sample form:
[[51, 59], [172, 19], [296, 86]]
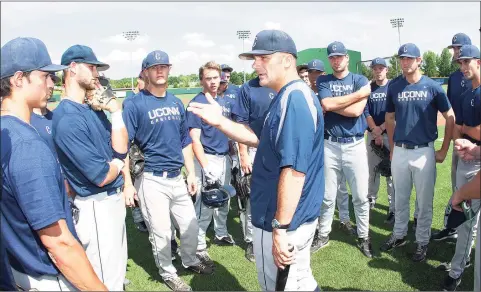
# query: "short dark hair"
[[6, 86]]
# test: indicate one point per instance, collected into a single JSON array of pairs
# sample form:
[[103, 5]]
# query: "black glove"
[[384, 167], [136, 161]]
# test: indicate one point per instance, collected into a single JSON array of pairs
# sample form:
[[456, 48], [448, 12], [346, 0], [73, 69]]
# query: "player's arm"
[[240, 114], [37, 193], [197, 147], [448, 130], [119, 136], [445, 108], [245, 159], [73, 138], [186, 140], [69, 257], [390, 119], [330, 103], [473, 132]]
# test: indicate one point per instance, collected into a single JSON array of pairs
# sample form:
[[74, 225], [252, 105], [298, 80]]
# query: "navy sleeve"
[[129, 114], [366, 110], [441, 100], [240, 110], [360, 81], [323, 87], [449, 89], [193, 121], [294, 147], [32, 173], [389, 100], [73, 138], [184, 130]]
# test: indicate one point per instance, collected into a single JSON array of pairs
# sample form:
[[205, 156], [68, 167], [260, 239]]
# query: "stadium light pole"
[[243, 35], [131, 36], [398, 23]]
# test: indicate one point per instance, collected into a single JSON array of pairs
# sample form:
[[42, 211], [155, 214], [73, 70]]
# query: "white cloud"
[[121, 56], [198, 40], [272, 25], [228, 47], [248, 43], [120, 39]]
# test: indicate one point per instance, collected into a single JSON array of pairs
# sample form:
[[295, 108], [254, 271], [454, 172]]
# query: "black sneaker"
[[365, 246], [347, 227], [200, 268], [392, 242], [319, 242], [446, 267], [141, 226], [250, 252], [176, 284], [372, 203], [390, 218], [420, 254], [204, 257], [415, 224], [226, 240], [451, 284], [445, 234]]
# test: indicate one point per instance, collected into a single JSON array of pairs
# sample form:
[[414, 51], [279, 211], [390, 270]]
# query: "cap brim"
[[466, 57], [100, 66], [227, 69], [337, 54], [155, 64], [250, 55], [455, 45], [52, 68], [409, 56], [372, 65]]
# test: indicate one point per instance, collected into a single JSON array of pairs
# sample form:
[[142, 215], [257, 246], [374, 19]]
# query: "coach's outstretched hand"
[[467, 150], [210, 112]]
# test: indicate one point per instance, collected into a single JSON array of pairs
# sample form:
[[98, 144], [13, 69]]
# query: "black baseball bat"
[[282, 275]]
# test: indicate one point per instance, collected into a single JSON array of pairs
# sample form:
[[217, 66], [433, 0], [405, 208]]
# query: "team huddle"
[[284, 146]]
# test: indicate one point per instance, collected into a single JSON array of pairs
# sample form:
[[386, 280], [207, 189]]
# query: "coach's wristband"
[[117, 120], [119, 163]]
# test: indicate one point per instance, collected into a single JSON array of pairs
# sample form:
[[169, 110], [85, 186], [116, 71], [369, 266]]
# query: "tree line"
[[433, 65]]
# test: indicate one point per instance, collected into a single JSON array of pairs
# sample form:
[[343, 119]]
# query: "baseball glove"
[[384, 167], [98, 98], [242, 183], [137, 161]]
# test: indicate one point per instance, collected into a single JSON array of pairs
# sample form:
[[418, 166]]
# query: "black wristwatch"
[[277, 225]]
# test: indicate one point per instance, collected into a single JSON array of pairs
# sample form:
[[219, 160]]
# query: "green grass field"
[[340, 266]]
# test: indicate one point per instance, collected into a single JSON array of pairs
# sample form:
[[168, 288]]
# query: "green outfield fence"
[[304, 56]]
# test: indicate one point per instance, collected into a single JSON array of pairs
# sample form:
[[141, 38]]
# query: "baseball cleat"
[[319, 242], [250, 252], [347, 227], [420, 254], [176, 284], [225, 240], [393, 242], [365, 246], [390, 218], [445, 234], [451, 284]]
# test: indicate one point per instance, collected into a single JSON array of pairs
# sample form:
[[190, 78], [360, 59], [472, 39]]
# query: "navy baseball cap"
[[316, 65], [82, 54], [155, 58], [268, 42], [378, 61], [468, 52], [336, 49], [225, 67], [409, 50], [459, 40], [26, 55]]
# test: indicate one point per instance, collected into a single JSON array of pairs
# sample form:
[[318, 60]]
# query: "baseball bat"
[[282, 275]]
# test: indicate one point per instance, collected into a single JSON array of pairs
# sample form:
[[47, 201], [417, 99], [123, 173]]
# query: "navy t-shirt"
[[337, 125], [43, 124], [416, 109], [457, 85], [292, 136], [252, 104], [232, 91], [212, 139], [158, 126], [376, 104], [470, 113], [33, 197], [82, 138]]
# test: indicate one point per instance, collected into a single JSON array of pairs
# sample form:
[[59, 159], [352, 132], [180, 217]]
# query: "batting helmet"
[[215, 195]]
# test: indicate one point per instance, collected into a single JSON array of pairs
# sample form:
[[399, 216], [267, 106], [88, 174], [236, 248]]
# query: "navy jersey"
[[6, 276], [470, 113], [43, 125], [376, 104], [212, 139], [33, 197], [82, 138], [329, 86], [252, 104], [158, 126], [232, 91], [457, 85], [292, 136], [416, 109]]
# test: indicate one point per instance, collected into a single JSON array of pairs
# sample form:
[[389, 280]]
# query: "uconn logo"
[[225, 111], [230, 95], [164, 114], [341, 89], [412, 95], [378, 96]]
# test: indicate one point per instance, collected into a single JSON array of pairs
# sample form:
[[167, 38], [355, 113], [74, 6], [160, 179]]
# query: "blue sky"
[[194, 33]]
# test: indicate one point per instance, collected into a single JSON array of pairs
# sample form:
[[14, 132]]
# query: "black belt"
[[343, 140], [411, 146], [474, 141], [167, 173]]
